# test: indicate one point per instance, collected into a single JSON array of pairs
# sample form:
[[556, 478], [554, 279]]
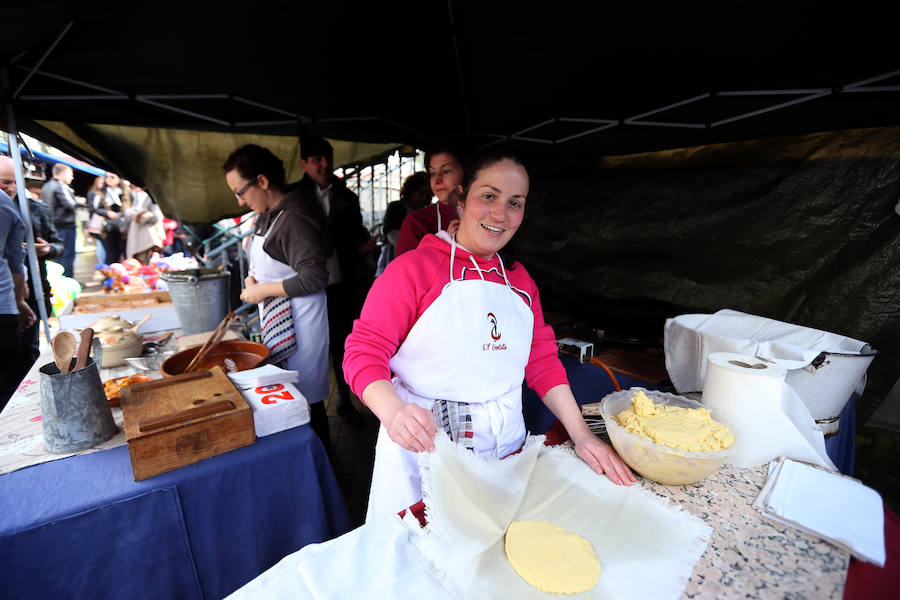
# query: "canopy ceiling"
[[581, 76], [569, 84]]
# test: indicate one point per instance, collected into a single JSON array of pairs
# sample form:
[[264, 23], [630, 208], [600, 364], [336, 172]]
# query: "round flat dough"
[[551, 558]]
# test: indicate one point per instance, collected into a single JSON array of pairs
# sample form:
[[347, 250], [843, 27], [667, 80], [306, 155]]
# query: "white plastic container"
[[669, 466]]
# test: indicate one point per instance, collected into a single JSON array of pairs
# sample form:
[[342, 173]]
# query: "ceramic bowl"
[[118, 346], [246, 355]]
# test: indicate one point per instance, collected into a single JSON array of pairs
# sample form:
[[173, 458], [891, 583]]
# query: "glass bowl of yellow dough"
[[663, 442]]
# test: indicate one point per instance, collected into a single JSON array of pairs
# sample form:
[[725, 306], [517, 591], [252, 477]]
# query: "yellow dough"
[[690, 429], [550, 558]]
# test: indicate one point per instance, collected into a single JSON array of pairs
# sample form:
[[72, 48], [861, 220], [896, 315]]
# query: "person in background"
[[60, 199], [96, 222], [15, 315], [48, 246], [146, 233], [172, 243], [415, 193], [349, 271], [445, 338], [445, 172], [287, 262], [34, 191], [109, 206]]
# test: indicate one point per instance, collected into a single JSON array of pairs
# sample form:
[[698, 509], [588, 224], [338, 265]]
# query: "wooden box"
[[177, 421], [89, 308]]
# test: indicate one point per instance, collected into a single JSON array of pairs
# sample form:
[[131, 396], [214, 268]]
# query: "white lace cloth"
[[647, 548]]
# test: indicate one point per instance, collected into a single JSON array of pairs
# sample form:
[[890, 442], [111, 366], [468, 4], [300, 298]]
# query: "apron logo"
[[495, 334]]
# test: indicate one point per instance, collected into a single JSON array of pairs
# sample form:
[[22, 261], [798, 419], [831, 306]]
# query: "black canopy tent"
[[570, 87]]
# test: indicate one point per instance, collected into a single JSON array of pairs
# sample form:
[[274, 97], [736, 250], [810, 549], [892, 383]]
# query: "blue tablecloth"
[[81, 527], [590, 383]]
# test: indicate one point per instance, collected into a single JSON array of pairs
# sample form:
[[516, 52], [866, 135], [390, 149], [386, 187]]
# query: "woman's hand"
[[251, 292], [26, 315], [596, 453], [41, 250], [409, 425], [602, 458], [453, 227], [413, 428]]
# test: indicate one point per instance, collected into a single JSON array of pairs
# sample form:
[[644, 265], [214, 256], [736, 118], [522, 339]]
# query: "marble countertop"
[[749, 556]]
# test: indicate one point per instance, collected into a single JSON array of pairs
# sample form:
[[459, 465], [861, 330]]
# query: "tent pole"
[[26, 216], [47, 52]]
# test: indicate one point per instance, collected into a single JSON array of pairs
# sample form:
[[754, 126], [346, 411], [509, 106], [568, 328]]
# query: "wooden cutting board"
[[177, 421]]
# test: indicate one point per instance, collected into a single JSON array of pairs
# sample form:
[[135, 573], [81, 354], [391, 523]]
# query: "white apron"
[[310, 316], [471, 345]]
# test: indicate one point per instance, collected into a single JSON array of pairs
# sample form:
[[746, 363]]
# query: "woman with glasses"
[[287, 273]]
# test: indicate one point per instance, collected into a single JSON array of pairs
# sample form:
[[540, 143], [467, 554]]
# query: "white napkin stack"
[[830, 506], [276, 402]]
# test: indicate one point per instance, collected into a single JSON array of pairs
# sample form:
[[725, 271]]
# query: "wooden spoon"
[[137, 325], [84, 347], [63, 348]]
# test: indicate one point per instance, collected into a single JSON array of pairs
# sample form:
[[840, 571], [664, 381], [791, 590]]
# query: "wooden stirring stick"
[[217, 335], [84, 348]]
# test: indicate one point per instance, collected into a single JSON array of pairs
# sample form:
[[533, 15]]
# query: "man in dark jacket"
[[48, 246], [350, 273], [60, 199]]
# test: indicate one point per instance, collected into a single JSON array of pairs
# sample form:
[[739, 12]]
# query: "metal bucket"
[[200, 297], [74, 411], [826, 384]]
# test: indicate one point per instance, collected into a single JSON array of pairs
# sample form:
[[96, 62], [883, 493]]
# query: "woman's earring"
[[459, 211]]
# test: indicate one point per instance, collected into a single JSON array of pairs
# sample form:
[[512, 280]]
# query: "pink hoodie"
[[408, 286]]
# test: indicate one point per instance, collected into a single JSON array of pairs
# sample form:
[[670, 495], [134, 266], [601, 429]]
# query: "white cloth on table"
[[471, 501], [460, 553], [377, 560], [835, 508]]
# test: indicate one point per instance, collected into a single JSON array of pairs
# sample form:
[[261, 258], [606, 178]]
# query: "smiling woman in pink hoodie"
[[460, 329]]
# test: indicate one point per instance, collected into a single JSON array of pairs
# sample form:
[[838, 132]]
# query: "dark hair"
[[314, 145], [455, 149], [415, 182], [252, 160], [474, 165]]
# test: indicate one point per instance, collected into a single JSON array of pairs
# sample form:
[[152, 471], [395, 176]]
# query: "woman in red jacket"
[[445, 173]]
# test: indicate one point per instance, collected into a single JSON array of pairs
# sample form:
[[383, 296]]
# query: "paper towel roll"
[[753, 395]]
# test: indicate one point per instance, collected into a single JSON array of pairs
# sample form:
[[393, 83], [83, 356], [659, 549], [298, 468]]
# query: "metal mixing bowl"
[[149, 362]]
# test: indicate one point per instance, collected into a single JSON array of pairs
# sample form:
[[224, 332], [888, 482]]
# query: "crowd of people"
[[124, 220], [438, 339]]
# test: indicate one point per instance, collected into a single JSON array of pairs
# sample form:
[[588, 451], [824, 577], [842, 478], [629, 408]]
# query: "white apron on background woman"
[[310, 316], [470, 346]]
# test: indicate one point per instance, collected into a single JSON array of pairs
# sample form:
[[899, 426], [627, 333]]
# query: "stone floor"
[[877, 441]]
